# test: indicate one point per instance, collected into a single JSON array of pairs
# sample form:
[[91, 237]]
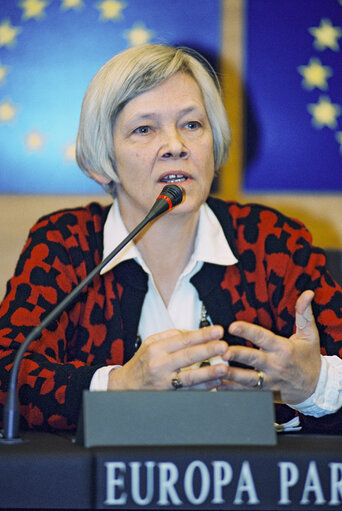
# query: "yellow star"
[[34, 141], [139, 34], [72, 4], [315, 74], [8, 34], [339, 138], [326, 36], [33, 9], [70, 152], [3, 73], [324, 113], [110, 9], [8, 111]]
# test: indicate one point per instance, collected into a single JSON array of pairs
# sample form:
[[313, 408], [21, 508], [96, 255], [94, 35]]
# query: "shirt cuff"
[[327, 397], [100, 378]]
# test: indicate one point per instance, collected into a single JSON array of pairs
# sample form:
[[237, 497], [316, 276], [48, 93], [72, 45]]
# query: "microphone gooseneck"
[[170, 196]]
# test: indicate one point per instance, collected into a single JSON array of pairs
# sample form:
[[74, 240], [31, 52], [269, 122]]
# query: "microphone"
[[169, 197]]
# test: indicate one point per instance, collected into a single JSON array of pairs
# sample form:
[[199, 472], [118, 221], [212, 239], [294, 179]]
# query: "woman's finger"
[[194, 354], [305, 320], [174, 340], [258, 335], [203, 378]]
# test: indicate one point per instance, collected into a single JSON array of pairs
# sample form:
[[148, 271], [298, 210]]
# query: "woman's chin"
[[188, 206]]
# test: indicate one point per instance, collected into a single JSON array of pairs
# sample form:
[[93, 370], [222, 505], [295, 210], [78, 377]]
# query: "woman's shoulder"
[[250, 214], [72, 229], [71, 234], [260, 228], [91, 211], [91, 216]]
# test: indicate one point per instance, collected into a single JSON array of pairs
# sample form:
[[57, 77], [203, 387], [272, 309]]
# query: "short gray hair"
[[125, 76]]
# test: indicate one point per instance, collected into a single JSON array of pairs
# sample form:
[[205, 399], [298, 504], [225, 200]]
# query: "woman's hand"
[[162, 356], [290, 367]]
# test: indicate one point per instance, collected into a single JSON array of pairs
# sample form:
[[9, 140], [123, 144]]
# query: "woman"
[[151, 116]]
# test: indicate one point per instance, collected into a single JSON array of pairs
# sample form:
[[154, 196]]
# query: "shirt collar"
[[211, 245]]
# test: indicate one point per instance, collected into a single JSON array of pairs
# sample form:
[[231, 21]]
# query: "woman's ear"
[[100, 179]]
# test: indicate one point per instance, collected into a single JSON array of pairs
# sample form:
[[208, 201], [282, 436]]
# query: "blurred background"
[[280, 65]]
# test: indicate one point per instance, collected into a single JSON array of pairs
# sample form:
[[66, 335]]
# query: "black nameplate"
[[288, 476], [143, 418]]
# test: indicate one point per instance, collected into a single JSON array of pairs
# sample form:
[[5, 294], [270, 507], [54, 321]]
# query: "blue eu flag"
[[293, 80], [49, 51]]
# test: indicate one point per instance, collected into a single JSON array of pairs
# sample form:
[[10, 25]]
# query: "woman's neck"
[[166, 247]]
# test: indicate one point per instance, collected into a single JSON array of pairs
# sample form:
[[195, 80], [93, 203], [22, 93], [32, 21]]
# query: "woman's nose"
[[173, 145]]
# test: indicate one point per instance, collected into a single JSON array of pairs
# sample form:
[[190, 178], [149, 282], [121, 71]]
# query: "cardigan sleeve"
[[277, 262], [51, 379], [294, 265]]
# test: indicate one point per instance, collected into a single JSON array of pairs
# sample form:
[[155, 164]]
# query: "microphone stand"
[[170, 196]]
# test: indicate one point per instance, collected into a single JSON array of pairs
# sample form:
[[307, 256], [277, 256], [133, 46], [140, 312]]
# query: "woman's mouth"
[[174, 178]]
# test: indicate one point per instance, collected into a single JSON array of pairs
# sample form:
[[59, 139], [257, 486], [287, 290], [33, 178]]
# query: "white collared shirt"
[[211, 246]]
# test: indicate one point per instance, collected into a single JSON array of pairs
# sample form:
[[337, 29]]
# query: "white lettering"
[[204, 482], [160, 483], [114, 482], [312, 484], [222, 476], [246, 484], [168, 476], [135, 482], [336, 483], [289, 474]]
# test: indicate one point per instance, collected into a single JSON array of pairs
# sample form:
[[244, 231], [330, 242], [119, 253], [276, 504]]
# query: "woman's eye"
[[142, 130], [192, 125]]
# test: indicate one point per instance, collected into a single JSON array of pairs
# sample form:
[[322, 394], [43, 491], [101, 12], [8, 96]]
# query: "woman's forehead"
[[180, 92]]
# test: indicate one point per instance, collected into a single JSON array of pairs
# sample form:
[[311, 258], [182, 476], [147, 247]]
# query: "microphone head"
[[169, 197], [174, 193]]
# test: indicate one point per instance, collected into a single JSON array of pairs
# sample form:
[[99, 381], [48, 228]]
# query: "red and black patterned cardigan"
[[276, 263]]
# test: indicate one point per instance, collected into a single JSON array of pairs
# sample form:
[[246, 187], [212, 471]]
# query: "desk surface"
[[51, 471]]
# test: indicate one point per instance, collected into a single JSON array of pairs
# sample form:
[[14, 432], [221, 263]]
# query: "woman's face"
[[163, 136]]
